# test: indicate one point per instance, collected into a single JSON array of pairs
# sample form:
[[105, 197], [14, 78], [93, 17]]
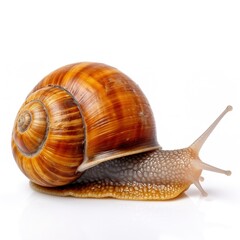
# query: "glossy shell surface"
[[78, 116]]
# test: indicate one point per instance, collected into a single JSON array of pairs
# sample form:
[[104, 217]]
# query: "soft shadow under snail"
[[87, 130]]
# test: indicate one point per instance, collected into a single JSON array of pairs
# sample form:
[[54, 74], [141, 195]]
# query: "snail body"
[[87, 130]]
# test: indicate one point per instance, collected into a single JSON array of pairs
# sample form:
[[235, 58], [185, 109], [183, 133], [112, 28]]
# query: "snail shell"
[[77, 117]]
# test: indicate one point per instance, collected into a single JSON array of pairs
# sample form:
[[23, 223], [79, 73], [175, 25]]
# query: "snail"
[[87, 130]]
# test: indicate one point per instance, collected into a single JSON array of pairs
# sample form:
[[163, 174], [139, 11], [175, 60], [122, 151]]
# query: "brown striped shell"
[[77, 117]]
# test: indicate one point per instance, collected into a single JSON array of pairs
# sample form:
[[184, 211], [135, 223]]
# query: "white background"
[[185, 55]]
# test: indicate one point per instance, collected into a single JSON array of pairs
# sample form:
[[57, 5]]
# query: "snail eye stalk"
[[196, 147]]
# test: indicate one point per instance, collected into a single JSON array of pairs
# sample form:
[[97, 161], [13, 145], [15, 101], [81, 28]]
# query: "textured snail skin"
[[154, 175]]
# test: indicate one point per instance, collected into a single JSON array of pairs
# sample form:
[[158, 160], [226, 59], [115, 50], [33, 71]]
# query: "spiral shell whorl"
[[24, 121], [31, 127], [48, 137]]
